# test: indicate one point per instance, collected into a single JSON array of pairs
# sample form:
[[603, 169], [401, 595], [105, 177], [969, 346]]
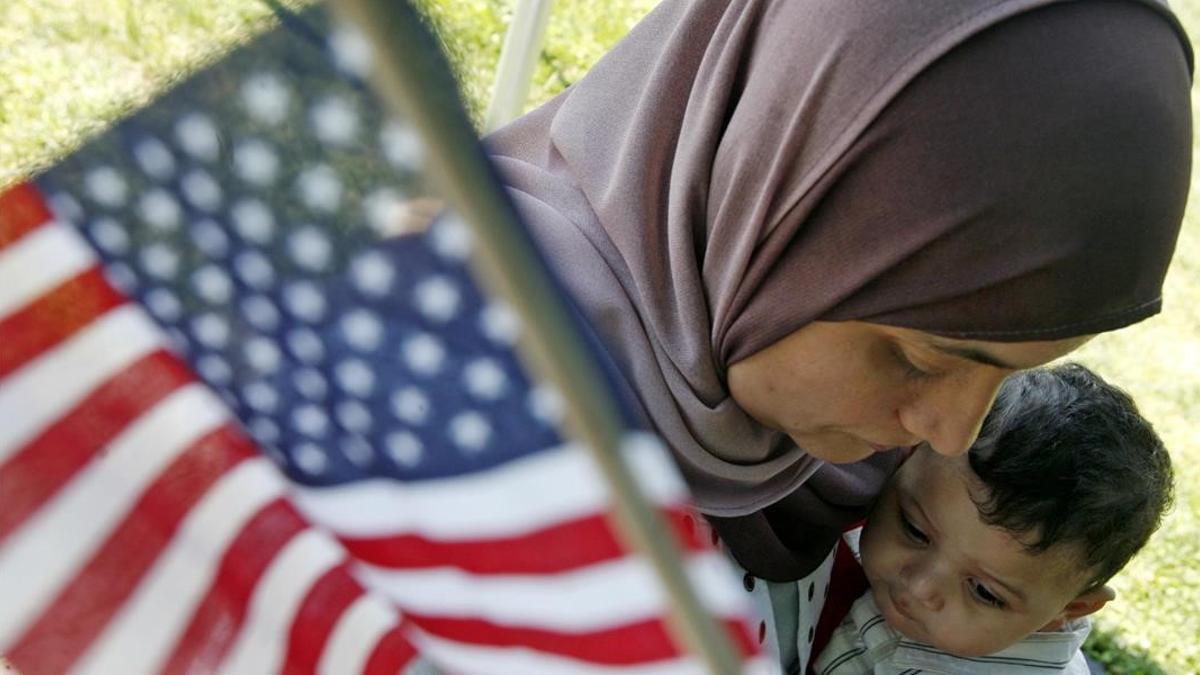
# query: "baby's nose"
[[924, 590]]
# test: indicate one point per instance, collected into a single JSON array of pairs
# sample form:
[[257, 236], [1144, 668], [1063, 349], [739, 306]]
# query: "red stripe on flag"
[[391, 654], [745, 639], [52, 317], [218, 618], [559, 548], [86, 605], [641, 642], [22, 210], [41, 468], [318, 614]]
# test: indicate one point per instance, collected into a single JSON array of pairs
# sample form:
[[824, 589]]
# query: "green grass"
[[68, 68], [1155, 622]]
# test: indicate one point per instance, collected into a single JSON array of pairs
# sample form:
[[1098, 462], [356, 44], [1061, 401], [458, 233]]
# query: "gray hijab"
[[736, 169]]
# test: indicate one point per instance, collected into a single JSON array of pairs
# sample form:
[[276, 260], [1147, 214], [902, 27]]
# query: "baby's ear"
[[1088, 602]]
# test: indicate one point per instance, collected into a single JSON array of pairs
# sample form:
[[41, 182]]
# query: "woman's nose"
[[947, 414]]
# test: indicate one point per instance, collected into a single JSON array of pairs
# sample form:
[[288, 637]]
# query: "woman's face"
[[844, 390]]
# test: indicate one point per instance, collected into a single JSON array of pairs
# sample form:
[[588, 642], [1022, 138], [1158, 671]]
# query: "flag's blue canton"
[[244, 211]]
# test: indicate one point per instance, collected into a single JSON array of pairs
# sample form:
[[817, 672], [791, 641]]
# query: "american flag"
[[247, 426]]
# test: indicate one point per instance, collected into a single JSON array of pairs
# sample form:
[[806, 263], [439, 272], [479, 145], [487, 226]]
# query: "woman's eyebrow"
[[976, 355]]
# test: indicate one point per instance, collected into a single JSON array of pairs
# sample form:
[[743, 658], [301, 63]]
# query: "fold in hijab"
[[736, 169]]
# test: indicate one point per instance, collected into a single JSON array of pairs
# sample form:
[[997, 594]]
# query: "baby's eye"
[[983, 595], [912, 531]]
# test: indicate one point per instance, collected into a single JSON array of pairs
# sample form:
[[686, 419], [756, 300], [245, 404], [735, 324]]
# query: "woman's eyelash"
[[912, 531], [910, 368], [982, 594]]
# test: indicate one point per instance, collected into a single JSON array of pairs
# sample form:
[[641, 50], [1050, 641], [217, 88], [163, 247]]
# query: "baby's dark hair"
[[1067, 459]]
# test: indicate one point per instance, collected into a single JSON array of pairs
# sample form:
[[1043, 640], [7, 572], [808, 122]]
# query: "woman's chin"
[[835, 449]]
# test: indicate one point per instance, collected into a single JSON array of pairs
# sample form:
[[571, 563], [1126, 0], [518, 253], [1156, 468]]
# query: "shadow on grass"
[[1106, 648]]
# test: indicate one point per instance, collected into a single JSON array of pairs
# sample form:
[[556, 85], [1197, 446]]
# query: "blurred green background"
[[68, 68]]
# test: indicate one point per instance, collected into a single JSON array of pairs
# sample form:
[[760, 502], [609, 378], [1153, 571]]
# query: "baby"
[[989, 562]]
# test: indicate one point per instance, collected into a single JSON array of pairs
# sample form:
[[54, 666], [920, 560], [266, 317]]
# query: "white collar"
[[1037, 654]]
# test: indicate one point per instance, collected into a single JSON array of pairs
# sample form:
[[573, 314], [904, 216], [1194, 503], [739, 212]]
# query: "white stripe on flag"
[[521, 496], [39, 261], [593, 598], [717, 585], [141, 636], [465, 658], [261, 643], [47, 387], [652, 467], [45, 553], [355, 636], [761, 665]]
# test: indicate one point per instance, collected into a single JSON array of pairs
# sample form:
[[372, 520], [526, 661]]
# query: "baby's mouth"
[[898, 616], [900, 608]]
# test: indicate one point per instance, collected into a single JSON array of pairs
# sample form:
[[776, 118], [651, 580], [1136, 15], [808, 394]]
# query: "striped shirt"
[[864, 644]]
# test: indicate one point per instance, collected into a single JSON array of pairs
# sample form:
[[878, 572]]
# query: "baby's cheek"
[[874, 553], [967, 634], [957, 635]]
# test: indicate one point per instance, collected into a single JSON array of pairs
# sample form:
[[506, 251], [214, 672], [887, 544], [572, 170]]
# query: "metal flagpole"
[[518, 57], [407, 60]]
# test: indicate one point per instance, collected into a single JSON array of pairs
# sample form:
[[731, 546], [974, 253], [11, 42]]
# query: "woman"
[[812, 232]]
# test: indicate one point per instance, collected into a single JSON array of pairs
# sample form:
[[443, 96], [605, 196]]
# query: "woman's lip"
[[884, 447]]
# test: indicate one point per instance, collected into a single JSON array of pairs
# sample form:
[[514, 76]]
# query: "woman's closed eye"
[[984, 595], [911, 531], [911, 370]]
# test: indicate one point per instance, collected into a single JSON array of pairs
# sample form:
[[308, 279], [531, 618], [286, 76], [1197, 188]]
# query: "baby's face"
[[943, 577]]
